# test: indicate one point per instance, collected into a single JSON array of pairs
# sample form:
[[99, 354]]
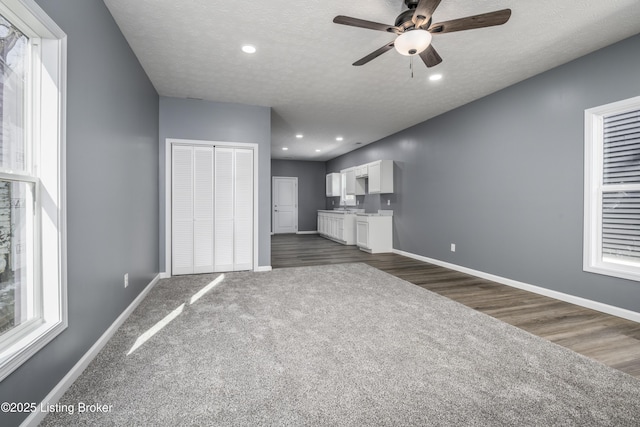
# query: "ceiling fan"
[[414, 28]]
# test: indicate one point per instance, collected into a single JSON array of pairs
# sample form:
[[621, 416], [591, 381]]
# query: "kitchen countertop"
[[359, 212], [342, 211], [381, 212]]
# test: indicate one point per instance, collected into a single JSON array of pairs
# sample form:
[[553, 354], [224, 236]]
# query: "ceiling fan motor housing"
[[405, 20]]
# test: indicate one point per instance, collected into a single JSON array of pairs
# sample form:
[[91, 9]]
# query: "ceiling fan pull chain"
[[411, 65]]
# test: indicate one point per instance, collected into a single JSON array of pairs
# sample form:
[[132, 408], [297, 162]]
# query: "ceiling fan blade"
[[374, 54], [361, 23], [490, 19], [430, 57], [423, 12]]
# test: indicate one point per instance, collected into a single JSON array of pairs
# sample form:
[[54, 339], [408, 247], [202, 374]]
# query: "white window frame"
[[45, 130], [593, 260]]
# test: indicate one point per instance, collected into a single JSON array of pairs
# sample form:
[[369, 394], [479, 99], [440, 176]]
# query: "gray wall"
[[502, 177], [218, 121], [311, 188], [112, 192]]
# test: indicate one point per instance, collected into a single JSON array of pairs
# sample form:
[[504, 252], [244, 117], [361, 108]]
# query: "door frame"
[[273, 192], [170, 142]]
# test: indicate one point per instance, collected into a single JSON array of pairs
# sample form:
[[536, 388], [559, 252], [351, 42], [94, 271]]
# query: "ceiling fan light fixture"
[[412, 42]]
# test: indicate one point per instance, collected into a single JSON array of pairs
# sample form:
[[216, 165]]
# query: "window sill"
[[22, 348], [614, 270]]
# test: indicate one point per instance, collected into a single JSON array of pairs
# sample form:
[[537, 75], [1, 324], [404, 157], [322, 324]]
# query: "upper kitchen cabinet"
[[362, 171], [333, 184], [380, 177], [350, 181], [353, 186]]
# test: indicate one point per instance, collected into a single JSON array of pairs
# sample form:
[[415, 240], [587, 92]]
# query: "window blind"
[[621, 224], [622, 148], [621, 209]]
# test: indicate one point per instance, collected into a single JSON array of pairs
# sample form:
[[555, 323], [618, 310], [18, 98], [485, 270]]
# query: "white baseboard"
[[165, 275], [307, 232], [54, 396], [264, 268], [583, 302]]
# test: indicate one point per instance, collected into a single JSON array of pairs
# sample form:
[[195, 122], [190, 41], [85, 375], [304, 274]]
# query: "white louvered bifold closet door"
[[621, 187], [203, 210], [243, 226], [212, 209], [224, 209], [182, 210]]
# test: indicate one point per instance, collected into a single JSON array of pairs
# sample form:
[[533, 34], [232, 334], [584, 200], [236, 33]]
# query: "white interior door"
[[285, 205], [212, 209], [182, 210], [203, 209], [224, 207], [243, 214]]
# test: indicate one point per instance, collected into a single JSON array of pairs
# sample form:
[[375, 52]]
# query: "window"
[[612, 189], [32, 209], [345, 199]]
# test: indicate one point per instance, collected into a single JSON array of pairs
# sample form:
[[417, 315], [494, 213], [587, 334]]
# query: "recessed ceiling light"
[[435, 77], [318, 150], [247, 48], [299, 135], [284, 148], [339, 138]]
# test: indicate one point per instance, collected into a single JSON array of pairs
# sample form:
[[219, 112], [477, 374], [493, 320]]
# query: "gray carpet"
[[337, 345]]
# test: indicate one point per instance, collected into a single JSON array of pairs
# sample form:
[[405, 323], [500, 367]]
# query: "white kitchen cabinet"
[[361, 186], [353, 186], [350, 181], [374, 234], [362, 171], [362, 233], [333, 184], [380, 177], [339, 226]]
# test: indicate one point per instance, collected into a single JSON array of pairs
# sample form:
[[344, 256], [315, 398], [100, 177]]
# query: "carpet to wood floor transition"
[[343, 344]]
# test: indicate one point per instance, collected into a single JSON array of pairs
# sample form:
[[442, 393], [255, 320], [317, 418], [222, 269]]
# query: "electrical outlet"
[[333, 202], [453, 247], [126, 280], [388, 202]]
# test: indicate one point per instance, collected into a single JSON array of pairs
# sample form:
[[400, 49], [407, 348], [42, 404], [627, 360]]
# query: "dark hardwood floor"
[[611, 340]]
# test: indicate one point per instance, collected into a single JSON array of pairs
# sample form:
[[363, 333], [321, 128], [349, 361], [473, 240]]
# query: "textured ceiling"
[[302, 68]]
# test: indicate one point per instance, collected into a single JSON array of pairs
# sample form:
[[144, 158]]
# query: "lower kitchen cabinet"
[[340, 227], [374, 234]]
